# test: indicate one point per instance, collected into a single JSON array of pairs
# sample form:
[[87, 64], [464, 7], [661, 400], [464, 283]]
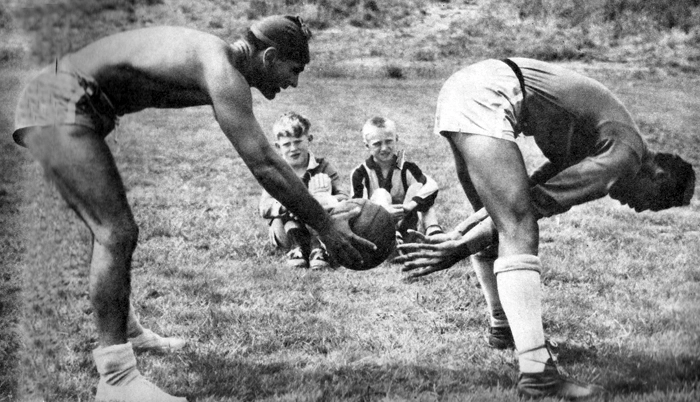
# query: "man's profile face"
[[280, 74], [641, 194], [294, 150]]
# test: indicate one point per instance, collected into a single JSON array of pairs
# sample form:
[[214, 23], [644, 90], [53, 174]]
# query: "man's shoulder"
[[151, 48]]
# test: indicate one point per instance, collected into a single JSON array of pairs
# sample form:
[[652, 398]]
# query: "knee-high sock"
[[483, 267], [518, 279]]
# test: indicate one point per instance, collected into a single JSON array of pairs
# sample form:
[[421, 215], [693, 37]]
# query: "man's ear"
[[662, 175], [270, 55], [311, 137]]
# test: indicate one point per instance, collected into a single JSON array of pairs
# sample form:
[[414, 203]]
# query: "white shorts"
[[483, 98]]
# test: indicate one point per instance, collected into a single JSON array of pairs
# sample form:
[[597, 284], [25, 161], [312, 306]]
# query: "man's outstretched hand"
[[431, 254], [341, 243]]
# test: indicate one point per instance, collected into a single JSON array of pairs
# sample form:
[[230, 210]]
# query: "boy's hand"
[[409, 206], [327, 201], [320, 183]]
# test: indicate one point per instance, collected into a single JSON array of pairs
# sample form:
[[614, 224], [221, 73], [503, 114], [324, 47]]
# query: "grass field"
[[622, 290]]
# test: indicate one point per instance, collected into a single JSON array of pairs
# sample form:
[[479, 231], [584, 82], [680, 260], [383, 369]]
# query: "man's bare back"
[[160, 67]]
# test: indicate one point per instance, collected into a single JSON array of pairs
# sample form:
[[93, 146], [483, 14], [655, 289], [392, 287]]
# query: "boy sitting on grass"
[[286, 230], [400, 186]]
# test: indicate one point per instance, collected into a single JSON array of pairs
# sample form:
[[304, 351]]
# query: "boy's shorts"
[[62, 95], [483, 98]]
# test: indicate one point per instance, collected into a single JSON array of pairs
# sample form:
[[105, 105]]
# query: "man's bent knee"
[[487, 255], [518, 262], [122, 236]]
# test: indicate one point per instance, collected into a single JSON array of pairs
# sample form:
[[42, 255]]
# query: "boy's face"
[[294, 150], [381, 144]]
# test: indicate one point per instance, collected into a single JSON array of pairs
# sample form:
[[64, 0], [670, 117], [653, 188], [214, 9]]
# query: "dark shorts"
[[62, 95]]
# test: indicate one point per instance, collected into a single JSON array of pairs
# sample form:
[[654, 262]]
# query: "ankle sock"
[[120, 380]]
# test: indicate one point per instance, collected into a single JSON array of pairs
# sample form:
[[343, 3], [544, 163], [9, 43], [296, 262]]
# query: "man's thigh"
[[82, 167], [497, 173]]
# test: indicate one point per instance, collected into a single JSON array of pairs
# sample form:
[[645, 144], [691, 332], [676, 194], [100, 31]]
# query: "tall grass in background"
[[660, 33], [655, 33]]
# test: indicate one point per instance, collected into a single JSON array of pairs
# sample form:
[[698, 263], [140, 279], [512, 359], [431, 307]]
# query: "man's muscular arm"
[[232, 102]]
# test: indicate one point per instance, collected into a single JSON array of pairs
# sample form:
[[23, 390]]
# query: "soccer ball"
[[375, 224]]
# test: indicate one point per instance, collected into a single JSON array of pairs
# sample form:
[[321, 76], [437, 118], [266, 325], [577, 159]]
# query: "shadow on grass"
[[221, 377], [628, 372], [625, 373], [631, 372]]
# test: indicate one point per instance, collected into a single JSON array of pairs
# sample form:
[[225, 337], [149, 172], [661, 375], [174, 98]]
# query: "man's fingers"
[[362, 242], [424, 272], [417, 259], [351, 255], [417, 247], [347, 215], [420, 237], [410, 264]]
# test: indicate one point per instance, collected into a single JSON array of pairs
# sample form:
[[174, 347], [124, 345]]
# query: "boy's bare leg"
[[431, 225], [79, 163]]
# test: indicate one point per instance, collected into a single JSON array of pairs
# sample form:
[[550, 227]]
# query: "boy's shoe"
[[149, 340], [296, 259], [318, 259], [501, 338], [554, 382]]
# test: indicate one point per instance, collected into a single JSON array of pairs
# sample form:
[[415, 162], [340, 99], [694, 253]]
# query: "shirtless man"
[[593, 148], [65, 113]]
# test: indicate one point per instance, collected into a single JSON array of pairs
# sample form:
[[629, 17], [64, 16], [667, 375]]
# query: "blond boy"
[[388, 179], [286, 231]]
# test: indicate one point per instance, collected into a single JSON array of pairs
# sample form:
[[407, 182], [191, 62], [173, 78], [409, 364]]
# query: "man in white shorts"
[[65, 113], [593, 148]]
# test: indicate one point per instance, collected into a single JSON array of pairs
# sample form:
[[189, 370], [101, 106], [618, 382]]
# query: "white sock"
[[518, 278], [116, 364], [120, 380], [483, 267]]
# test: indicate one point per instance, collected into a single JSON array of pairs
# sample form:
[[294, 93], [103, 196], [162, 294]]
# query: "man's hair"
[[678, 189], [378, 122], [291, 124], [288, 34]]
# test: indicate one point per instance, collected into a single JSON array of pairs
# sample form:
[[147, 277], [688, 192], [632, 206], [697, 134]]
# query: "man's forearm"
[[479, 237], [473, 220], [278, 179]]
